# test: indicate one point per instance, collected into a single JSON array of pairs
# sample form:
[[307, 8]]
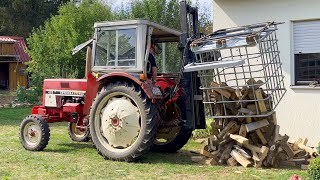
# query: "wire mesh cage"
[[240, 71]]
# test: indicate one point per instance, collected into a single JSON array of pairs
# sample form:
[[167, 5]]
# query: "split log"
[[226, 153], [220, 89], [232, 162], [226, 129], [261, 103], [211, 162], [256, 125], [197, 158], [240, 159], [204, 151], [243, 131], [238, 138]]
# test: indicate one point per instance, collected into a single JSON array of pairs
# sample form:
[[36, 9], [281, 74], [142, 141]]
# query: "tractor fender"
[[121, 76]]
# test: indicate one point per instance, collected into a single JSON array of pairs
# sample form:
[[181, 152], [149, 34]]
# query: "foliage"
[[50, 46], [202, 133], [28, 95], [19, 17], [314, 169]]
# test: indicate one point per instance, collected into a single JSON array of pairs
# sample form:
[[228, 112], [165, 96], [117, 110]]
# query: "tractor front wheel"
[[34, 133], [122, 122], [78, 135]]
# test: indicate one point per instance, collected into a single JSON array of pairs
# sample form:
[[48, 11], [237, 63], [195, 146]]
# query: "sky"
[[205, 5]]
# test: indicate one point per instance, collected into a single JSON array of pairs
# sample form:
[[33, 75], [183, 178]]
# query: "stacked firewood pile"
[[250, 141]]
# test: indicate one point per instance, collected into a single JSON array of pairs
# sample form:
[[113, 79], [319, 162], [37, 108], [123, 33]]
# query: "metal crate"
[[240, 71]]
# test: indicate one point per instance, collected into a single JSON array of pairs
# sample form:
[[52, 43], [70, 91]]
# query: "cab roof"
[[160, 32]]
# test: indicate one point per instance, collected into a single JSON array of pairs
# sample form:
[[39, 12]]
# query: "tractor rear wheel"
[[78, 135], [34, 133], [122, 122], [171, 140]]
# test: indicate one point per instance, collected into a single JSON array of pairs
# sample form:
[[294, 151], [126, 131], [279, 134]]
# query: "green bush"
[[27, 95], [314, 169], [202, 133]]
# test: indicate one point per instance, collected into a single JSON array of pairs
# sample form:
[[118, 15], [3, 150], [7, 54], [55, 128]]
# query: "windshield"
[[116, 48]]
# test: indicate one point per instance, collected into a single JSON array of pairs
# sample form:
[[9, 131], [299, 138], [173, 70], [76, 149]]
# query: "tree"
[[50, 46], [19, 17]]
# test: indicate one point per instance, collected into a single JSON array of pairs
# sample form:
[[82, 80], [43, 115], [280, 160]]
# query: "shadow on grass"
[[70, 147], [180, 157]]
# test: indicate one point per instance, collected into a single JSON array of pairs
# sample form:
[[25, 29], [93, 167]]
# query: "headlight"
[[156, 91]]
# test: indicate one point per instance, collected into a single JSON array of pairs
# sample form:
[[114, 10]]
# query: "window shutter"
[[306, 37]]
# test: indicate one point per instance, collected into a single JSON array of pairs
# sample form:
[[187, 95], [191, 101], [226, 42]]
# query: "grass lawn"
[[66, 159]]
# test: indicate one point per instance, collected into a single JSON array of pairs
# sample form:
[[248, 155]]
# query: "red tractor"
[[123, 112]]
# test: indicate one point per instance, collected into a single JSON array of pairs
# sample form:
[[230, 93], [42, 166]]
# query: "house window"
[[116, 48], [306, 37]]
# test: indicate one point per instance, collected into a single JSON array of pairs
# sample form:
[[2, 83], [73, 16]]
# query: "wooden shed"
[[12, 58]]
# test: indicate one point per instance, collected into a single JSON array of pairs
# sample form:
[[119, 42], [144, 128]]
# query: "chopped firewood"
[[282, 156], [239, 138], [213, 142], [243, 152], [301, 154], [226, 129], [240, 159], [242, 131], [238, 93], [263, 154], [197, 158], [219, 89], [252, 107], [204, 151], [286, 164], [246, 111], [285, 146], [234, 129], [256, 125], [214, 129], [211, 161], [262, 105], [310, 150], [261, 137], [273, 118], [228, 88], [226, 153], [276, 136], [251, 81], [270, 161], [257, 138], [255, 157], [298, 162], [232, 162], [214, 94], [295, 146]]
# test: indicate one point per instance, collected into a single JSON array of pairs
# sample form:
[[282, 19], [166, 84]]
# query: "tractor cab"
[[123, 46]]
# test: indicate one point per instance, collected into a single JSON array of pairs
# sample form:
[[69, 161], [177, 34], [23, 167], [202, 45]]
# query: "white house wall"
[[298, 113]]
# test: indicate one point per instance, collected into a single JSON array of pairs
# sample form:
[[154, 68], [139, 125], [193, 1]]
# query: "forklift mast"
[[192, 108]]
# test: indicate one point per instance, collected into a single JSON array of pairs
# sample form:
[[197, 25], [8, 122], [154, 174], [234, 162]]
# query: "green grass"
[[64, 159]]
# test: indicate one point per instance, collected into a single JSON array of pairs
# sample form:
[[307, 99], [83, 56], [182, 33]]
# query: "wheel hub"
[[31, 134], [115, 122], [120, 122]]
